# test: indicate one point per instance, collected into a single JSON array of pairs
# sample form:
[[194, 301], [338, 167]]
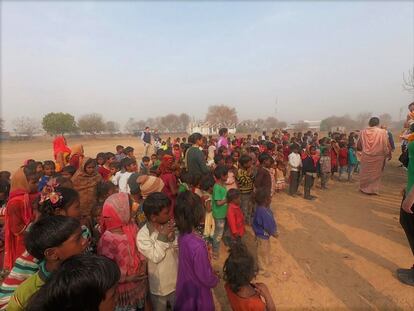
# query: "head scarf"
[[149, 184], [59, 145], [116, 214], [166, 165], [77, 149]]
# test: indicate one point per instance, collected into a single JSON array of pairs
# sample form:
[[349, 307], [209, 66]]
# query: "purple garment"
[[264, 223], [223, 141], [195, 277]]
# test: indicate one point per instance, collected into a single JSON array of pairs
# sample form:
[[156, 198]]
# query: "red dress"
[[343, 157], [168, 179], [235, 220]]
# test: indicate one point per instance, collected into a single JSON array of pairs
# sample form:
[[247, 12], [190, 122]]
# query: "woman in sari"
[[85, 181], [61, 152], [19, 213], [375, 148], [76, 156], [118, 243]]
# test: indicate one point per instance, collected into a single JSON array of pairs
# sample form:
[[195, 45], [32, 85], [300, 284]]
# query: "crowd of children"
[[162, 221]]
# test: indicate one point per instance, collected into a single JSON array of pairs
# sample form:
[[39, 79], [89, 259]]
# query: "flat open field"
[[338, 252]]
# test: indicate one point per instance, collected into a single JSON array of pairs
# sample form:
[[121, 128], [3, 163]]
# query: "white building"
[[207, 128], [312, 125]]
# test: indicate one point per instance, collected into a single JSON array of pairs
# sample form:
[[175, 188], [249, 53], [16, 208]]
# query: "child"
[[105, 170], [48, 172], [177, 153], [325, 167], [130, 166], [119, 153], [100, 159], [263, 177], [264, 226], [206, 185], [129, 152], [245, 183], [144, 167], [239, 273], [157, 242], [118, 243], [5, 175], [352, 160], [232, 171], [342, 159], [115, 168], [280, 172], [309, 170], [50, 240], [235, 219], [211, 152], [85, 182], [154, 161], [195, 277], [167, 175], [219, 207], [219, 160], [68, 171], [82, 283], [295, 163]]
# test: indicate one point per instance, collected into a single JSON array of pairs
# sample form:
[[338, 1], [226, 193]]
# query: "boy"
[[129, 152], [325, 167], [235, 218], [144, 168], [48, 172], [156, 240], [309, 171], [295, 163], [119, 153], [264, 226], [219, 207], [352, 160], [263, 179], [245, 182], [51, 240], [130, 166]]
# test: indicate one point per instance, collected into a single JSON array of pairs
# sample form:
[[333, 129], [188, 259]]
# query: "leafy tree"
[[222, 114], [55, 123], [26, 126], [112, 127], [91, 123]]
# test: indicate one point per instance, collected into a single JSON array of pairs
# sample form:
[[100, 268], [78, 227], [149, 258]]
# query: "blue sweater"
[[264, 224]]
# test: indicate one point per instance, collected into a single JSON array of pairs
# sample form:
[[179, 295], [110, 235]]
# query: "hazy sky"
[[144, 59]]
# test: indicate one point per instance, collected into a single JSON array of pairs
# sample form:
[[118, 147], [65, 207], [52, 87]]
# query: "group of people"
[[150, 231]]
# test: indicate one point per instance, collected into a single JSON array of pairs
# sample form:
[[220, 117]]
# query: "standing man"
[[146, 138]]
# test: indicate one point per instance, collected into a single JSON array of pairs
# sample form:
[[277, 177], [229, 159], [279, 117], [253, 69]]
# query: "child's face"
[[33, 183], [224, 177], [153, 158], [267, 163], [132, 167], [39, 168], [120, 150], [236, 156], [229, 164], [49, 170], [110, 160], [163, 217], [146, 163], [90, 169], [247, 165], [100, 161], [113, 170], [74, 245], [130, 154]]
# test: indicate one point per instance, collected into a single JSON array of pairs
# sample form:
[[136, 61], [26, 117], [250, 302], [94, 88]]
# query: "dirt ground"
[[338, 252]]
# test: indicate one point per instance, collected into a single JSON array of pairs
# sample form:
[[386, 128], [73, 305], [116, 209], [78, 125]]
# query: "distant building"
[[338, 129], [312, 125], [207, 128]]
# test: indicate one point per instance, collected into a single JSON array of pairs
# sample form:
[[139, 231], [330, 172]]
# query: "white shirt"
[[162, 261], [295, 161], [123, 182], [116, 177]]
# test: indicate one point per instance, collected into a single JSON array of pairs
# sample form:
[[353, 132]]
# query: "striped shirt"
[[245, 181]]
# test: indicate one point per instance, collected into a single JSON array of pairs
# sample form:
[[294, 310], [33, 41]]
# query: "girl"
[[85, 181], [61, 152], [82, 283], [195, 275], [76, 156], [239, 273], [280, 173], [19, 213], [167, 175], [232, 171], [118, 243]]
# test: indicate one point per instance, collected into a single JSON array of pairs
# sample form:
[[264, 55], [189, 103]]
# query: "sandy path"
[[338, 252]]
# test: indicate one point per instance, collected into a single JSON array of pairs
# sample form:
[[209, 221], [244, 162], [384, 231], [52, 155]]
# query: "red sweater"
[[235, 220], [343, 157]]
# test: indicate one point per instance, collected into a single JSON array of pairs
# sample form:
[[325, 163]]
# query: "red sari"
[[19, 214]]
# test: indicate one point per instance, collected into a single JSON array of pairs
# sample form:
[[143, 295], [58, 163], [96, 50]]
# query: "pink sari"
[[375, 149]]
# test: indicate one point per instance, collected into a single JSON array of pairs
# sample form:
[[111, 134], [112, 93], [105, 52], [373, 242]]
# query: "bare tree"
[[362, 119], [91, 123], [222, 114], [385, 119], [112, 127], [301, 126], [26, 126], [408, 81]]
